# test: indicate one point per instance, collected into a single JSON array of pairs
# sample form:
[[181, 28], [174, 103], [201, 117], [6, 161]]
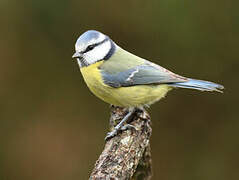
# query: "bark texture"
[[127, 155]]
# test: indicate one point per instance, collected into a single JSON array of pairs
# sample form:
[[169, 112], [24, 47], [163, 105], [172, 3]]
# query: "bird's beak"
[[76, 55]]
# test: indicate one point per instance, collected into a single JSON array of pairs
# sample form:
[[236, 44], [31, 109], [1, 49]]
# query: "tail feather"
[[199, 85]]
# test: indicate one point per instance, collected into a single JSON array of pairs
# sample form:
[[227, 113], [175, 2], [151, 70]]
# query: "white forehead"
[[87, 38]]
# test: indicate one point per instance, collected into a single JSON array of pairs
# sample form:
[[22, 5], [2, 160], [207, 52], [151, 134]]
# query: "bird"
[[123, 79]]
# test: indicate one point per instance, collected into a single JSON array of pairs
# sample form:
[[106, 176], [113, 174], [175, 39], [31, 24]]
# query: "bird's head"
[[93, 46]]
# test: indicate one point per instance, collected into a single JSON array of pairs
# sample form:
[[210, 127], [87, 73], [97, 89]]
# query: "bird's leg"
[[120, 125], [128, 125]]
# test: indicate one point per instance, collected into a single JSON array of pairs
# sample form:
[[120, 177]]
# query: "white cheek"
[[98, 53]]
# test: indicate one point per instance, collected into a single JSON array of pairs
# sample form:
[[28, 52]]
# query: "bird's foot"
[[120, 126], [115, 132], [128, 126], [111, 134]]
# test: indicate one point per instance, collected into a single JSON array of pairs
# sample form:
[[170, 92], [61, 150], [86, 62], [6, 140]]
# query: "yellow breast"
[[132, 96]]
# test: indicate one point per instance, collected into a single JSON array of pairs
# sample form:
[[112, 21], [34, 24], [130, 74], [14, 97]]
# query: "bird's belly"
[[133, 96], [136, 96]]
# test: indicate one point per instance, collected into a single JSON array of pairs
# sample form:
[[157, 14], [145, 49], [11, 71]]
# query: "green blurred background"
[[53, 128]]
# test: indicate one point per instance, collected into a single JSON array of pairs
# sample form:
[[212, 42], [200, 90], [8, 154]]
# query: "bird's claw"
[[128, 126], [116, 131], [111, 134], [120, 126]]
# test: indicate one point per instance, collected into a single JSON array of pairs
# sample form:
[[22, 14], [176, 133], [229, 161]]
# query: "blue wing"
[[124, 69], [147, 73]]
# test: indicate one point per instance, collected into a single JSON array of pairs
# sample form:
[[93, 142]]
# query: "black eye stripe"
[[92, 46]]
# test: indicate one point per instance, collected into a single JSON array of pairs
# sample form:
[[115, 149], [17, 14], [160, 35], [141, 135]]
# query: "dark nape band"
[[111, 51]]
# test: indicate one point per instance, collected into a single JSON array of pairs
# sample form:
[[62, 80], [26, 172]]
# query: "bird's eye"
[[90, 47]]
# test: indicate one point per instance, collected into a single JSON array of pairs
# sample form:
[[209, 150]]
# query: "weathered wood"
[[144, 169], [127, 155]]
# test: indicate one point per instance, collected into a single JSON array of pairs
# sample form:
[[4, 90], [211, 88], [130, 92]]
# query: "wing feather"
[[125, 69]]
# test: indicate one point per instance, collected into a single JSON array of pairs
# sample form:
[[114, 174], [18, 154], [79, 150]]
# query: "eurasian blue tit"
[[124, 79]]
